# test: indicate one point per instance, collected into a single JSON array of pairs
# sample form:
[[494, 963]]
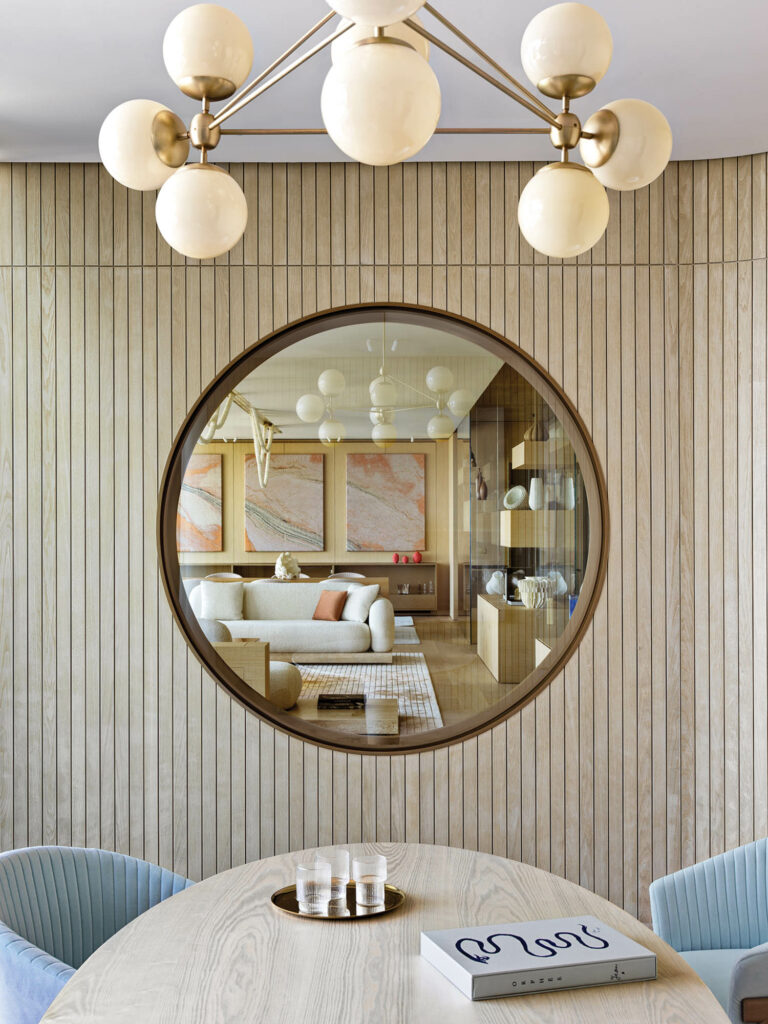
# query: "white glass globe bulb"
[[567, 39], [380, 103], [127, 149], [310, 408], [340, 46], [376, 12], [384, 434], [383, 392], [439, 378], [460, 402], [331, 431], [440, 427], [643, 149], [331, 383], [563, 210], [207, 51], [201, 211]]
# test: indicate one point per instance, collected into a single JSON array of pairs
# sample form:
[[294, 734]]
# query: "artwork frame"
[[200, 511], [288, 514], [386, 501]]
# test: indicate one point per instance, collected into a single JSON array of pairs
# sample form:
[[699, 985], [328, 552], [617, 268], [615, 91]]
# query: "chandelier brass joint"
[[600, 138], [567, 133], [207, 87], [169, 138], [392, 40], [570, 86], [201, 134]]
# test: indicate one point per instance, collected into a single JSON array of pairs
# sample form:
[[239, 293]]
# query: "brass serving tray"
[[285, 900]]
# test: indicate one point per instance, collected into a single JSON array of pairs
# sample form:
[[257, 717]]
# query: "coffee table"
[[220, 952]]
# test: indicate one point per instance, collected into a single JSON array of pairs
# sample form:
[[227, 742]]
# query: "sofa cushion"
[[221, 600], [266, 599], [290, 636], [330, 605], [714, 967], [359, 601]]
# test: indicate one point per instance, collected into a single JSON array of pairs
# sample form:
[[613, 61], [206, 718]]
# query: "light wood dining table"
[[220, 952]]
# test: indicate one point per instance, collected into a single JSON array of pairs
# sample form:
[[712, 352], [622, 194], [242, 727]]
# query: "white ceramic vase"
[[536, 494]]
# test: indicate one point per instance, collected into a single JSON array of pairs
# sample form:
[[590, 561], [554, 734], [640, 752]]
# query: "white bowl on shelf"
[[515, 497]]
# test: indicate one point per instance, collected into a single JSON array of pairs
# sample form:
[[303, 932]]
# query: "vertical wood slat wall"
[[647, 752]]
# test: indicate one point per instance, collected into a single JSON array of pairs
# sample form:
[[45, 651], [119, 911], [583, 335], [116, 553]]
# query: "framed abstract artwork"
[[287, 514], [199, 515], [385, 502]]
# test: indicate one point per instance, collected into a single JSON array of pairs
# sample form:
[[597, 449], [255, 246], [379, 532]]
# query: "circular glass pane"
[[388, 567]]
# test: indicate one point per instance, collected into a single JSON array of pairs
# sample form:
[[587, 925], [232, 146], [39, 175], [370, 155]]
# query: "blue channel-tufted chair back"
[[68, 901], [719, 904]]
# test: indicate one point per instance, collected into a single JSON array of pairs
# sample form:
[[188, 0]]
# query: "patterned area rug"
[[407, 678]]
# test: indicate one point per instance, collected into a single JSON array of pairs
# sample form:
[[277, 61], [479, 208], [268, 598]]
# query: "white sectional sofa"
[[281, 613]]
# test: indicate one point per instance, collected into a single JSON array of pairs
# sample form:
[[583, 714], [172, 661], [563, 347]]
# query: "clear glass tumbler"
[[313, 886], [370, 874], [339, 861]]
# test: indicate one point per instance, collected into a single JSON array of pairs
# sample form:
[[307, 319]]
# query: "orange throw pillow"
[[330, 605]]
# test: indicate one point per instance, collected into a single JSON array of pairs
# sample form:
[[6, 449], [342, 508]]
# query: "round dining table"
[[221, 953]]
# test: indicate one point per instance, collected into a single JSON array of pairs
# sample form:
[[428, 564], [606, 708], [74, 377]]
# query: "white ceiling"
[[64, 64], [274, 386]]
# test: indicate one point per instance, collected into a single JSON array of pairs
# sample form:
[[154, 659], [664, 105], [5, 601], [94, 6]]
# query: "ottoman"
[[284, 684]]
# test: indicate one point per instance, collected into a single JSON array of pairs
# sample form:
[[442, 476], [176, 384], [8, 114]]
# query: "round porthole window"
[[383, 528]]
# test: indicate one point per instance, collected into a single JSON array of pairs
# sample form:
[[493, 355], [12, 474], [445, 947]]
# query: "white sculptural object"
[[286, 567]]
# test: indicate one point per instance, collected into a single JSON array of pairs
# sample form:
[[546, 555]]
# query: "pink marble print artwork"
[[385, 502], [287, 515], [198, 517]]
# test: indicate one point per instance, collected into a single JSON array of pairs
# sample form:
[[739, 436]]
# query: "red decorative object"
[[417, 557], [395, 558], [405, 559]]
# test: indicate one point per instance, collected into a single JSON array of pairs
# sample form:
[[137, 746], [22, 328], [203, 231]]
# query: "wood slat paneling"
[[648, 751]]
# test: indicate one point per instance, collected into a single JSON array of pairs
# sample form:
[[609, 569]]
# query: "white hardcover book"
[[536, 956]]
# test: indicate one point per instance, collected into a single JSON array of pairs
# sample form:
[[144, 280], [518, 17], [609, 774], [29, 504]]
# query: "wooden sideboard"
[[508, 635]]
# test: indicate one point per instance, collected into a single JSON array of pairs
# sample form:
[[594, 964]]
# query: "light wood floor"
[[462, 682]]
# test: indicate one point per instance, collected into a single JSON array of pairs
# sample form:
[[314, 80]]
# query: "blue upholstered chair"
[[58, 905], [715, 914]]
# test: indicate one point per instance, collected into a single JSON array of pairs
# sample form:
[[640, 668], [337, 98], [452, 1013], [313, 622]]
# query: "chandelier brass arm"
[[544, 114], [487, 58], [276, 63], [438, 131], [224, 115]]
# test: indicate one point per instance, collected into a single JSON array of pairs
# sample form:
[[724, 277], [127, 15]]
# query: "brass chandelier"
[[380, 104]]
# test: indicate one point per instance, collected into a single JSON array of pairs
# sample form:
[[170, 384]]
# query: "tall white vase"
[[536, 493]]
